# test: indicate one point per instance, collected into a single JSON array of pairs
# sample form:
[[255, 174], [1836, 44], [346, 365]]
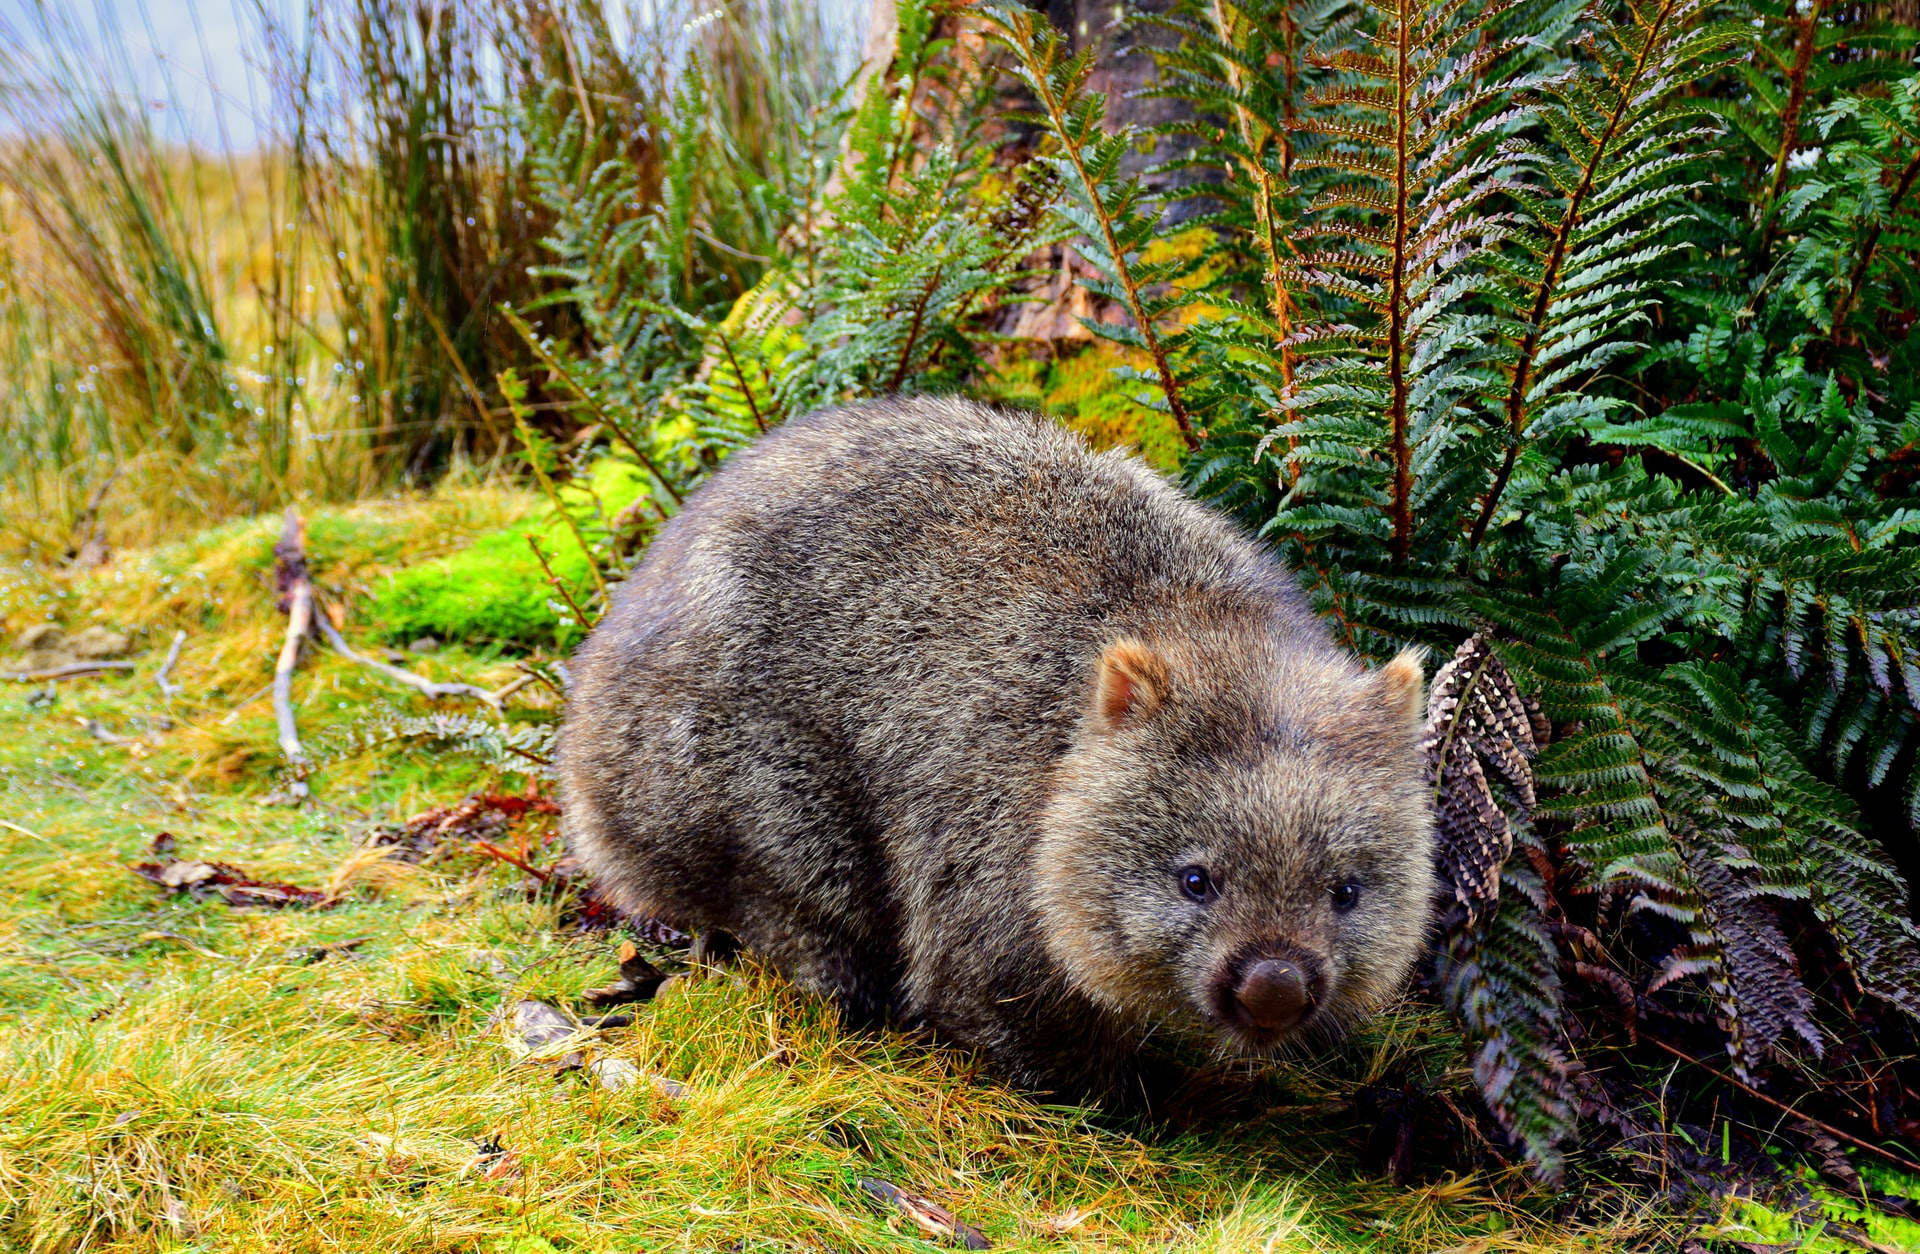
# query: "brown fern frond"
[[1756, 984], [1478, 724]]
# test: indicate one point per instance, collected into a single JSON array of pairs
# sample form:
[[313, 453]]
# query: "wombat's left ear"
[[1405, 682]]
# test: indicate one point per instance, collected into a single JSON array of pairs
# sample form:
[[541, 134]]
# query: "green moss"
[[1753, 1221], [1085, 389], [494, 591]]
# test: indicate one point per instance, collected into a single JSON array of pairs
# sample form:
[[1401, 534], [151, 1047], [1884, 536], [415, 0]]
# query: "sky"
[[188, 62], [194, 65]]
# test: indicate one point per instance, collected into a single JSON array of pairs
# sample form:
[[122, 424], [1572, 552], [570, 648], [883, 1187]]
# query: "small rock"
[[425, 644], [95, 643], [614, 1074]]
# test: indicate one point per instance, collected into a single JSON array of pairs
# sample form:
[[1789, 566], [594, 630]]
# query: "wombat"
[[955, 720]]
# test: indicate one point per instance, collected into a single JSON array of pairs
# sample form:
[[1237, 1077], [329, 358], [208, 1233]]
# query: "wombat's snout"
[[1274, 991]]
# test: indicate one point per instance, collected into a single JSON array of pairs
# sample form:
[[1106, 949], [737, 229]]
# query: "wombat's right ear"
[[1131, 685], [1405, 681]]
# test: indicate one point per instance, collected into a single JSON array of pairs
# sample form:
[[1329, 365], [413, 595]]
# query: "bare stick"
[[502, 693], [68, 671], [296, 598], [401, 675], [99, 731], [494, 851], [168, 688]]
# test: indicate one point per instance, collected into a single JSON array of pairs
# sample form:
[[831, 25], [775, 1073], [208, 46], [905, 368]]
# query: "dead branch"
[[934, 1219], [68, 671], [399, 674], [295, 585], [168, 688], [105, 735], [494, 851]]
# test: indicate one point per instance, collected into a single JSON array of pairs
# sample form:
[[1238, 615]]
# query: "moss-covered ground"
[[184, 1075]]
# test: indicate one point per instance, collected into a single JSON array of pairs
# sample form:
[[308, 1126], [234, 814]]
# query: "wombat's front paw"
[[713, 949]]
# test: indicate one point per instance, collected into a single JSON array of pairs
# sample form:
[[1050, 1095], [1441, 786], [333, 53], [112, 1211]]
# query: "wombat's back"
[[823, 710]]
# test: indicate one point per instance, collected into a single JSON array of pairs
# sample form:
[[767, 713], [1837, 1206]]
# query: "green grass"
[[185, 1076]]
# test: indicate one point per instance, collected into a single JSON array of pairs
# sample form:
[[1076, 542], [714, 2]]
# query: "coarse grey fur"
[[937, 710]]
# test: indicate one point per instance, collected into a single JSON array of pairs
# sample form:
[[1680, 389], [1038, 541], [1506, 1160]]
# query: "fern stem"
[[1516, 404], [1255, 138], [553, 581], [1868, 246], [746, 388], [1402, 507], [553, 493], [1807, 25], [913, 331], [1062, 129], [552, 362]]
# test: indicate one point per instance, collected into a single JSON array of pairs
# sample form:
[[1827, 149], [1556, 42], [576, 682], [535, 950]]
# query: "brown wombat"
[[952, 718]]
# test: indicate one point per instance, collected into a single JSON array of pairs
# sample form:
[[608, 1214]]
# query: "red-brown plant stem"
[[913, 331], [1169, 385], [1402, 507], [560, 589], [1806, 28], [746, 388], [494, 851], [1516, 405], [1837, 1133], [1279, 299], [1868, 246]]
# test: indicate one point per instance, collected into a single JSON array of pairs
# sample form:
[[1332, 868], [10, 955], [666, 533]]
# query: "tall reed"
[[189, 330]]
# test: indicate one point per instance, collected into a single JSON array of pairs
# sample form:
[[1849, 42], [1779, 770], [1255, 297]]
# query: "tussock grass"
[[182, 1075]]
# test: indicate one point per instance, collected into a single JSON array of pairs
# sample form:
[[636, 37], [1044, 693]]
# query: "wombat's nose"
[[1273, 994]]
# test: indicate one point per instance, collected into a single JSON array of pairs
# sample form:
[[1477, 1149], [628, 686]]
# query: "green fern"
[[1539, 323]]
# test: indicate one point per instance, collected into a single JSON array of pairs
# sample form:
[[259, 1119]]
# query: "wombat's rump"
[[948, 716]]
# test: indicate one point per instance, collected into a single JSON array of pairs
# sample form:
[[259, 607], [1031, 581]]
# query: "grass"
[[186, 1076]]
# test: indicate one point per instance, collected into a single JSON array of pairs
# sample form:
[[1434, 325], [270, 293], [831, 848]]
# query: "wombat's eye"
[[1197, 884], [1346, 896]]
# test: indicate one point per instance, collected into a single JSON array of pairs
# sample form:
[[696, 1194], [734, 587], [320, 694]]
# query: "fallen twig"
[[101, 732], [494, 851], [400, 674], [639, 980], [296, 598], [168, 688], [68, 671], [933, 1218]]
